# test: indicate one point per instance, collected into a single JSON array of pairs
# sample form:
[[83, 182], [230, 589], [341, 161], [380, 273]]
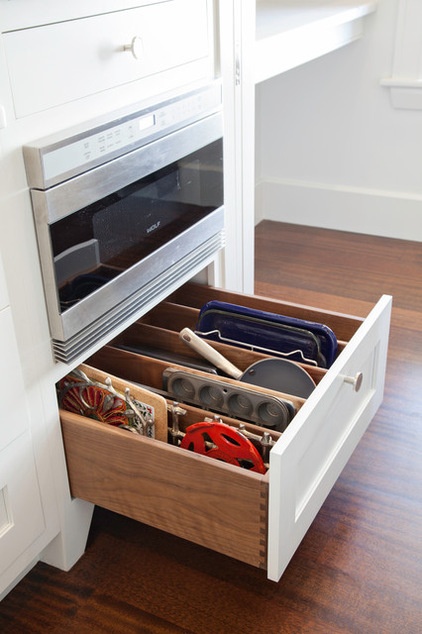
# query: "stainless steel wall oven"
[[124, 211]]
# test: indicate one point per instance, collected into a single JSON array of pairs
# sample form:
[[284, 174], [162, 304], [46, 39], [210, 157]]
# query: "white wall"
[[331, 149]]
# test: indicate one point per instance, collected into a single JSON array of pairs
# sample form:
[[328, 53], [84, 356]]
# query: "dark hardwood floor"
[[358, 569]]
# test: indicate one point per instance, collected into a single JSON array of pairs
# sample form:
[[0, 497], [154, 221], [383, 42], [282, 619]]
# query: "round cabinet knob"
[[136, 47], [355, 381]]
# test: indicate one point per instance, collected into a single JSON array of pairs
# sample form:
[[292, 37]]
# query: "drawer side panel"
[[210, 503]]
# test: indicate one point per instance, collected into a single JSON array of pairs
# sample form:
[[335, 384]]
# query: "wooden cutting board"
[[156, 401]]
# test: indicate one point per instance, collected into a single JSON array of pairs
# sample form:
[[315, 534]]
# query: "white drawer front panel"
[[314, 449], [58, 63]]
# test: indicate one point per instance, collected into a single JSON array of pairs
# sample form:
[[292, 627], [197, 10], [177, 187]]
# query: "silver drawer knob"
[[136, 47], [355, 381]]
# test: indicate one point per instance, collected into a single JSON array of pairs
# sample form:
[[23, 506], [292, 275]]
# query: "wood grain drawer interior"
[[214, 504]]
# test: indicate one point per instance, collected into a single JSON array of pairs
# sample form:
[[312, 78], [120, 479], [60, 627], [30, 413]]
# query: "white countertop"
[[292, 32]]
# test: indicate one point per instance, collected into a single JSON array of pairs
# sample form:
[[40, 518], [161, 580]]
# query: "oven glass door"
[[96, 244]]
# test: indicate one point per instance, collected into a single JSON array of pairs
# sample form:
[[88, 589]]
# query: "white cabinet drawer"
[[257, 518], [62, 62]]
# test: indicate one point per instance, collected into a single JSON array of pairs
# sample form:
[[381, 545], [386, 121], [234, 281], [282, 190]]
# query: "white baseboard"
[[374, 212]]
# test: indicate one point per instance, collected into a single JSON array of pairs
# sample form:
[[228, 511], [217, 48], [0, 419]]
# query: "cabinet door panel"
[[310, 455], [14, 415], [21, 515], [4, 299]]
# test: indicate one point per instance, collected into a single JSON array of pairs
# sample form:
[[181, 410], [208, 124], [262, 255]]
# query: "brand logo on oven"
[[154, 226]]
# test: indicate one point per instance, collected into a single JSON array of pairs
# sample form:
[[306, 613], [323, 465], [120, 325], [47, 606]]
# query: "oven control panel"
[[56, 158]]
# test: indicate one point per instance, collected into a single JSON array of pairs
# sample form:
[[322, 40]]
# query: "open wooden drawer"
[[257, 518]]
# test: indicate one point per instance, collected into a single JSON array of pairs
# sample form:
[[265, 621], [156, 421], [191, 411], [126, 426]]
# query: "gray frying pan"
[[275, 374]]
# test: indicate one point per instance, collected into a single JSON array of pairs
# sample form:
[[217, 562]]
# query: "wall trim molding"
[[404, 93], [405, 83], [359, 210]]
